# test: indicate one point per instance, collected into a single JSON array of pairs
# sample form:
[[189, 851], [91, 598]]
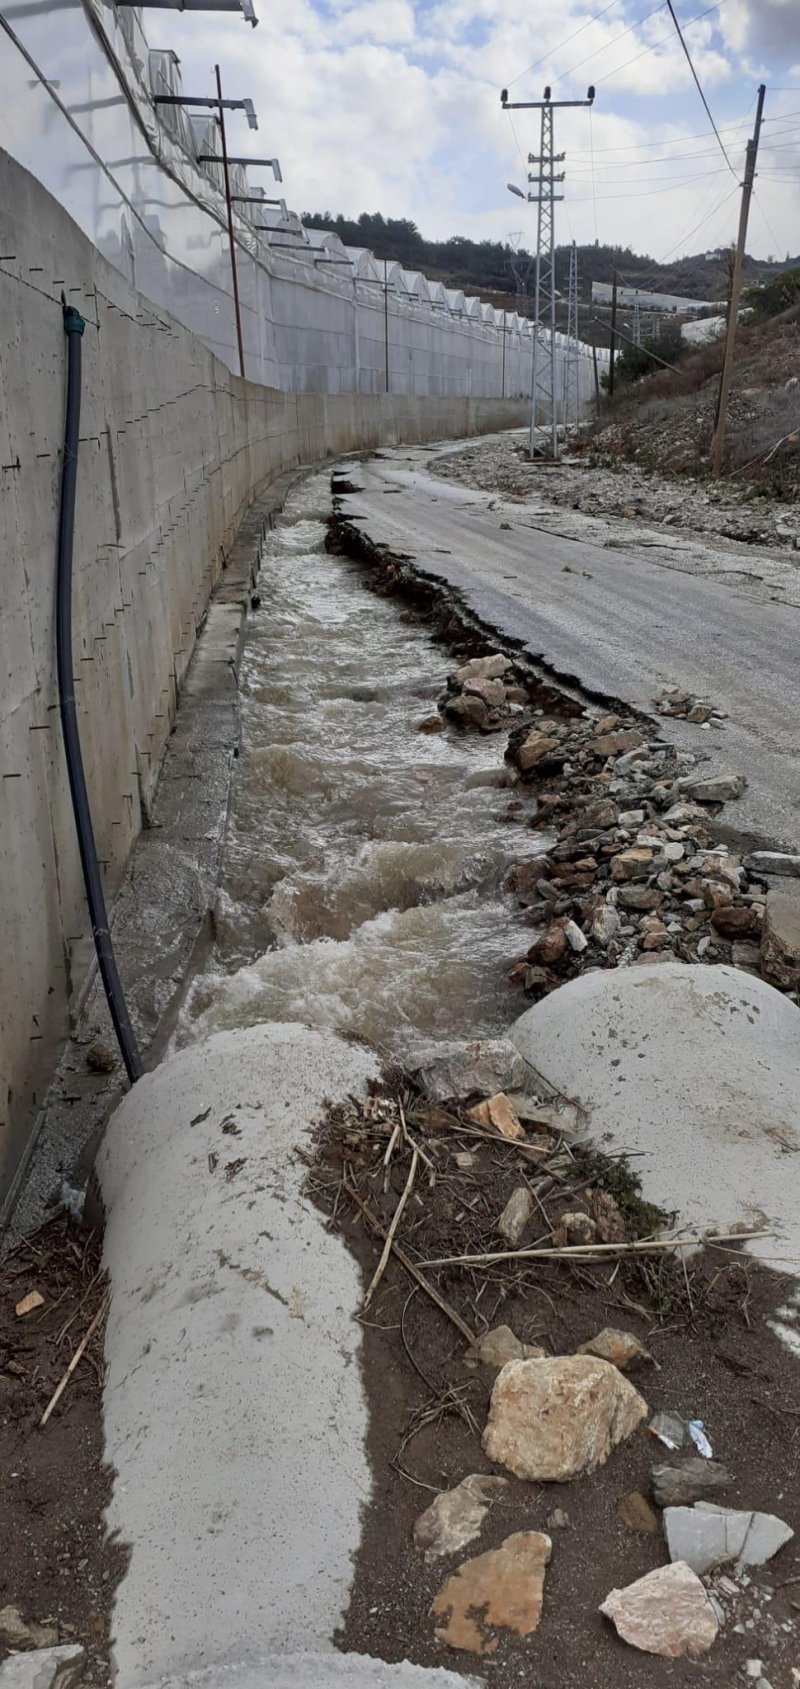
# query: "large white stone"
[[693, 1068]]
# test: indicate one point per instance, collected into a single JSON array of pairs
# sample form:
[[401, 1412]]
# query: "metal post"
[[503, 379], [226, 172], [551, 270], [718, 440], [572, 379], [613, 335], [386, 318]]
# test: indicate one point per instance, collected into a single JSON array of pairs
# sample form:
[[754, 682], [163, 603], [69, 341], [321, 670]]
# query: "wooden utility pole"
[[718, 441], [231, 236], [613, 335]]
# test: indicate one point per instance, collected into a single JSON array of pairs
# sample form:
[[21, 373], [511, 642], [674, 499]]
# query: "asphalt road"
[[613, 616]]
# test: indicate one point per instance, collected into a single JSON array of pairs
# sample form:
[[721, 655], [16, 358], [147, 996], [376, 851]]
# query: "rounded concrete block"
[[695, 1069], [234, 1410]]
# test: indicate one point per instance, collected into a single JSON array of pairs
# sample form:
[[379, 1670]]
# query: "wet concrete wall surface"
[[173, 450]]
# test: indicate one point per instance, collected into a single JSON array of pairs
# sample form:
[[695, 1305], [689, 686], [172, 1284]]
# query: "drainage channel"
[[363, 882]]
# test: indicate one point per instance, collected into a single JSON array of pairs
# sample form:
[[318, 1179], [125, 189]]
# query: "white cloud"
[[386, 105]]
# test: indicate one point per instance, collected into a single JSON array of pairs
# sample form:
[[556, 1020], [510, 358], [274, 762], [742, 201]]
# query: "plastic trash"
[[668, 1429], [699, 1438]]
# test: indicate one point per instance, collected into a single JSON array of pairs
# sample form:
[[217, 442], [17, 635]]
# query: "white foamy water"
[[363, 880]]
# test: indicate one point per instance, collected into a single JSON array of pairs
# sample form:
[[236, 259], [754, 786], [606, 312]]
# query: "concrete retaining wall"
[[173, 449]]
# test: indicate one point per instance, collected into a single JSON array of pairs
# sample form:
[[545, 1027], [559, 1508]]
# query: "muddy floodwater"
[[362, 887]]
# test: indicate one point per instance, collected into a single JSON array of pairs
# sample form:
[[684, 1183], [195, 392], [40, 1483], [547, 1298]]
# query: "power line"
[[698, 85], [659, 43], [621, 37], [565, 43]]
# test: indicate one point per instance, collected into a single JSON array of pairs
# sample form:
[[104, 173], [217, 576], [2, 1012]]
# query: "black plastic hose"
[[73, 328]]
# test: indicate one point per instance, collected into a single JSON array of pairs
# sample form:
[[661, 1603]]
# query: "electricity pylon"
[[543, 355]]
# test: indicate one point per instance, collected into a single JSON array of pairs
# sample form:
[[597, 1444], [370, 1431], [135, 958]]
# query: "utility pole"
[[613, 335], [231, 237], [544, 314], [503, 380], [572, 379], [386, 318], [718, 441], [637, 323]]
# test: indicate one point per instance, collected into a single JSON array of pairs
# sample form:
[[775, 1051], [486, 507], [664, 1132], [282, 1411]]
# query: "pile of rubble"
[[470, 1190], [555, 1419], [634, 873], [603, 481], [673, 701], [484, 693]]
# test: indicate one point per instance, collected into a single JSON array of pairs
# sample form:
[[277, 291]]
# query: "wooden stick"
[[413, 1271], [82, 1346], [387, 1248], [590, 1251]]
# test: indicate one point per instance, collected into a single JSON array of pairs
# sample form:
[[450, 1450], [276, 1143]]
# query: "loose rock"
[[780, 940], [533, 751], [483, 668], [620, 1348], [455, 1518], [496, 1348], [708, 1535], [554, 1419], [497, 1111], [480, 1067], [44, 1668], [612, 744], [690, 1480], [16, 1633], [772, 862], [667, 1612], [515, 1215], [504, 1587], [716, 788], [636, 1514]]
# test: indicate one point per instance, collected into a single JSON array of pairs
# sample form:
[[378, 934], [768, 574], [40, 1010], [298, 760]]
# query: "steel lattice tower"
[[543, 372], [572, 395], [543, 354]]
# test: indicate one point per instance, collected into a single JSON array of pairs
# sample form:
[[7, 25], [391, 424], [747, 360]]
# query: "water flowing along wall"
[[103, 200]]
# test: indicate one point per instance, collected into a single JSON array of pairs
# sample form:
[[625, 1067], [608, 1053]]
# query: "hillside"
[[484, 267]]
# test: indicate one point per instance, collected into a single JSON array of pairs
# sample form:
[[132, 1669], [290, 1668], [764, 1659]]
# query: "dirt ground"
[[56, 1565], [717, 1360]]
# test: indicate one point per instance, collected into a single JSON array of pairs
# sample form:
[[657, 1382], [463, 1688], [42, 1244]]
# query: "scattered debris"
[[707, 1535], [690, 1480], [673, 701], [697, 1433], [455, 1518], [667, 1612], [669, 1430], [716, 788], [29, 1303], [557, 1418], [621, 1348], [500, 1590]]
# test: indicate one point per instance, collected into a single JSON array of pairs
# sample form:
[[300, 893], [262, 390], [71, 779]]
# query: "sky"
[[394, 106]]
